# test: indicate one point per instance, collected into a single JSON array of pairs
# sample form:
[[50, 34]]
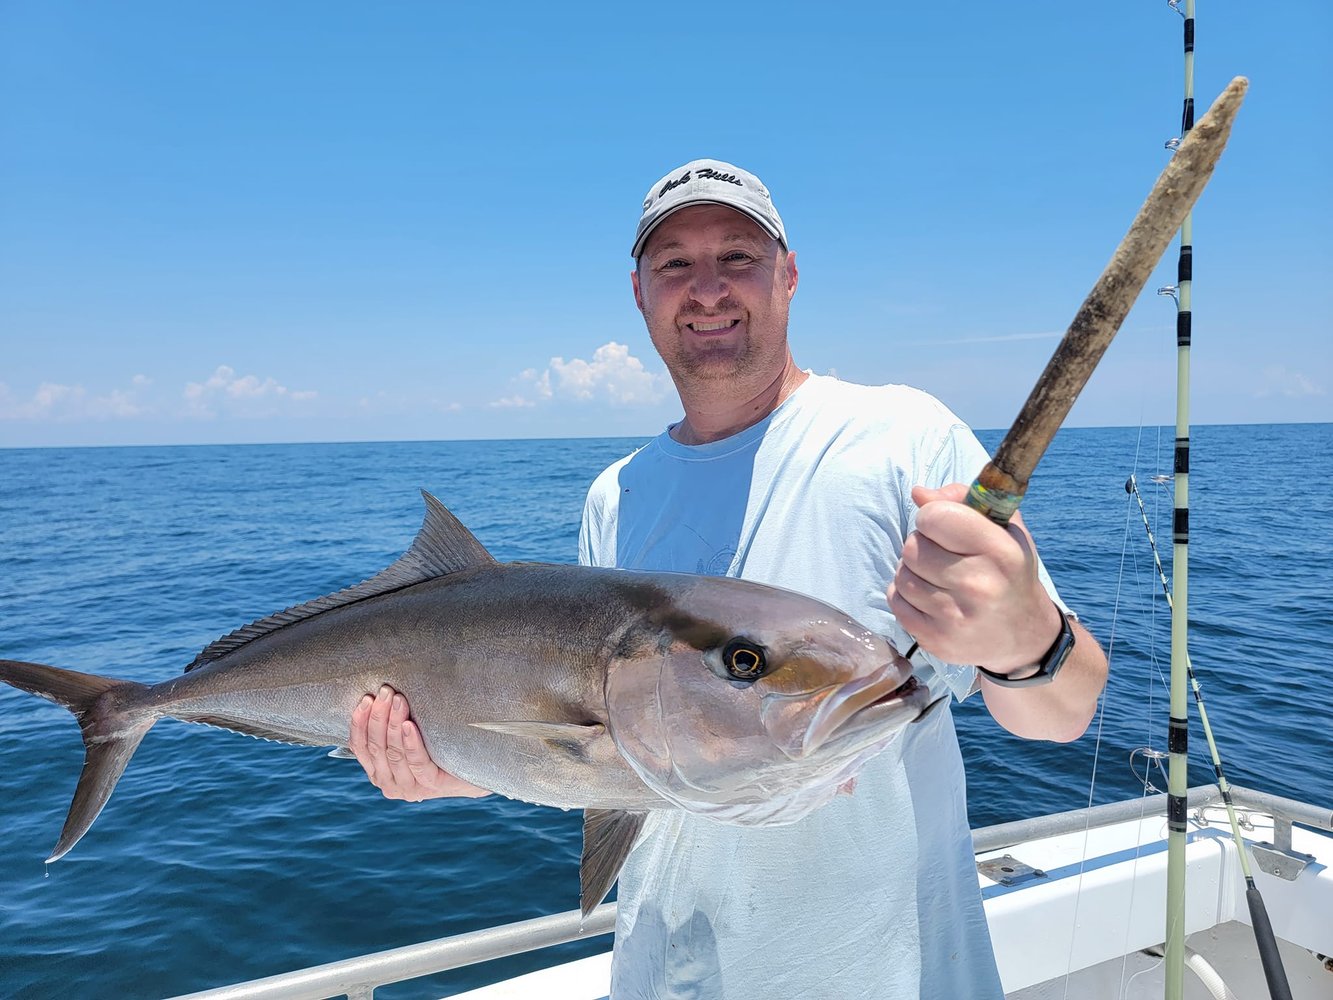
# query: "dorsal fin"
[[442, 546]]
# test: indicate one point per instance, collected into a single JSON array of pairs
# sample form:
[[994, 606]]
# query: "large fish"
[[613, 691]]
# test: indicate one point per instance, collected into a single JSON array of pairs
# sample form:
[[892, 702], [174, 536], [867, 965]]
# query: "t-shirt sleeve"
[[597, 542], [585, 546]]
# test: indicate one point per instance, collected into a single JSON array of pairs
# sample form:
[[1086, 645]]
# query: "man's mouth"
[[699, 326]]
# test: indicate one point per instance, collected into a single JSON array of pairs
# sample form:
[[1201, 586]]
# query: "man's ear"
[[638, 292], [792, 274]]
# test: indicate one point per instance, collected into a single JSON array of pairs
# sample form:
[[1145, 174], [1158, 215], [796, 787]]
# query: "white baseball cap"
[[708, 182]]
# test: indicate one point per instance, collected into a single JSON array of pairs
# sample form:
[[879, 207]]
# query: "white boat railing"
[[358, 978], [1283, 810]]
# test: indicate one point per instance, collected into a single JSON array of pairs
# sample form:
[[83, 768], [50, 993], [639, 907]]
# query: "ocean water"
[[221, 858]]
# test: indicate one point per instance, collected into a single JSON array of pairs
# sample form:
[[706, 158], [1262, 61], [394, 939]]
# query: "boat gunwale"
[[357, 978]]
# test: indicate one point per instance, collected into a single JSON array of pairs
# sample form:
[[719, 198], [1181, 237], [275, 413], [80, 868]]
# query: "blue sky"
[[249, 222]]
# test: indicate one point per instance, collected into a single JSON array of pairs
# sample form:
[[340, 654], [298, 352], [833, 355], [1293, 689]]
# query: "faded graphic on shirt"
[[719, 564]]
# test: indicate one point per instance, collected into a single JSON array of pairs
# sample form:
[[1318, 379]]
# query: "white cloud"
[[57, 403], [511, 403], [223, 391], [612, 376], [51, 399], [1278, 380], [246, 395], [119, 403]]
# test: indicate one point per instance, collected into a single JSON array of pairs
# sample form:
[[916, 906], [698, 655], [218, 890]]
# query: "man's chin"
[[713, 369], [716, 361]]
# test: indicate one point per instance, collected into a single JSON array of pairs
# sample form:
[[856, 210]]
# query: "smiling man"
[[851, 494]]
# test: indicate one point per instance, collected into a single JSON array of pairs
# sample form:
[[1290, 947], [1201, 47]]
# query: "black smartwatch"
[[1048, 666]]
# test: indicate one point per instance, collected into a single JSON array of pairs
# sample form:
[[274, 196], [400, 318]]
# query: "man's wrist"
[[1045, 669]]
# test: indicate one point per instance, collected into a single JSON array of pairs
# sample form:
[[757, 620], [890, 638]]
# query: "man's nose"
[[709, 286]]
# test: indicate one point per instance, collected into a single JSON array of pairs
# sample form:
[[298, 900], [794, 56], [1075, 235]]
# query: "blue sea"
[[221, 858]]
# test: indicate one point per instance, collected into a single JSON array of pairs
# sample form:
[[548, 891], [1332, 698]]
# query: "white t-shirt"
[[874, 896]]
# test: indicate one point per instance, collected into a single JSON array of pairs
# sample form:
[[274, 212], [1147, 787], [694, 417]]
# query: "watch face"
[[1055, 659]]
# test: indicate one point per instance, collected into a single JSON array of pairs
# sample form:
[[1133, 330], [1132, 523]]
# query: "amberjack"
[[613, 691]]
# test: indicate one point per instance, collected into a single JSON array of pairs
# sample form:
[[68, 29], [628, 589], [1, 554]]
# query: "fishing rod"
[[1182, 670], [1177, 741], [999, 489], [1265, 940]]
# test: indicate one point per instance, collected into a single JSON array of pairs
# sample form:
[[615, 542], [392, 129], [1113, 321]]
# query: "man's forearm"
[[1058, 711]]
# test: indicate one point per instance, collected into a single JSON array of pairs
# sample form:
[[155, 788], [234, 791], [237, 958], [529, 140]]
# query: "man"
[[835, 490]]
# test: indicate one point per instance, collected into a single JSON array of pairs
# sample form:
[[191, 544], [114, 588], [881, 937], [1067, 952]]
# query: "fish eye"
[[744, 660]]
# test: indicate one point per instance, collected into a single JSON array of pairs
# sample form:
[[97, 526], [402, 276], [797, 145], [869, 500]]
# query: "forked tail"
[[113, 718]]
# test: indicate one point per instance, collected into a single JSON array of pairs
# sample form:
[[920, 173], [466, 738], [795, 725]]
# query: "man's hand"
[[389, 746], [967, 590]]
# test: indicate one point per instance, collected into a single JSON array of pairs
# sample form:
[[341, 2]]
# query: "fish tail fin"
[[113, 719]]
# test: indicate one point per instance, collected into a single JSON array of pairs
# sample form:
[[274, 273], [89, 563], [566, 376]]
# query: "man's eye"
[[737, 257], [673, 263]]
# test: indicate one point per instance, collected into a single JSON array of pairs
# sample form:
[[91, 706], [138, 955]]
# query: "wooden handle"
[[999, 489]]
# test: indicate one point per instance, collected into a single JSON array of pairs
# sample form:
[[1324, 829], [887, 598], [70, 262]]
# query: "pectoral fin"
[[562, 732], [608, 835], [579, 742]]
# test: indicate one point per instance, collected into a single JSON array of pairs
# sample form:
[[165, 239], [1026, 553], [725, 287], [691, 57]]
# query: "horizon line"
[[587, 437]]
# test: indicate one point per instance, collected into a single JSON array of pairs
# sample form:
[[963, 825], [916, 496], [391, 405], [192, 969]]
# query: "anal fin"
[[276, 734], [608, 835]]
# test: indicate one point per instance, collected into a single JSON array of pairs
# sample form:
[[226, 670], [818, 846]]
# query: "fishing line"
[[1092, 783], [1152, 757], [1126, 984], [1101, 717], [1145, 787], [1131, 487]]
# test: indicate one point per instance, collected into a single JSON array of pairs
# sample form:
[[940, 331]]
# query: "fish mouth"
[[868, 704]]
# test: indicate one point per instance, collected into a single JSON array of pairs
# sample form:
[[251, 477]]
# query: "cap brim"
[[642, 239]]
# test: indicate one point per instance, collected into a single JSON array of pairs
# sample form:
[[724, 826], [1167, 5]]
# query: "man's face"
[[714, 290]]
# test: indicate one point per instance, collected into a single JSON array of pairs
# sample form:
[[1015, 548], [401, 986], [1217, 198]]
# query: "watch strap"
[[1048, 666]]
